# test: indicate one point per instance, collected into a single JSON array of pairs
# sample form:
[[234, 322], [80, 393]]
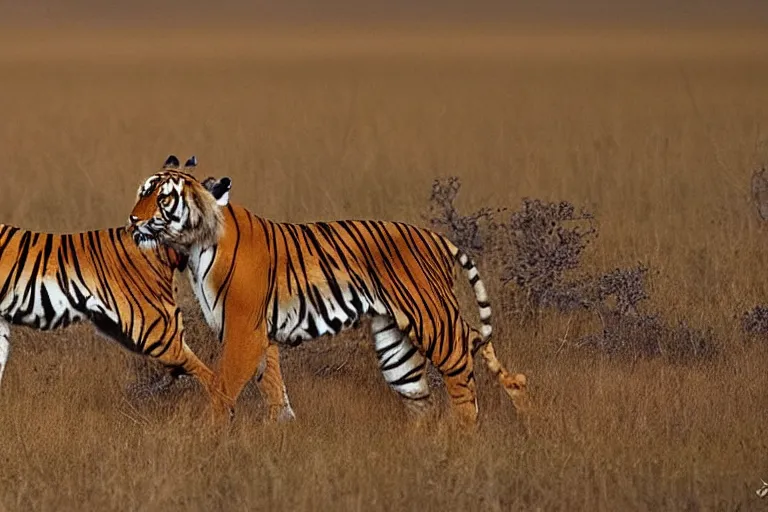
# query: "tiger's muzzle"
[[143, 234]]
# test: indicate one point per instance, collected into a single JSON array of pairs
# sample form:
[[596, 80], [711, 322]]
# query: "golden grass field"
[[656, 130]]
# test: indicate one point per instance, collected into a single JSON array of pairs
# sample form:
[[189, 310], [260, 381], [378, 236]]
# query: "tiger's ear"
[[208, 183], [220, 190], [171, 162], [190, 164]]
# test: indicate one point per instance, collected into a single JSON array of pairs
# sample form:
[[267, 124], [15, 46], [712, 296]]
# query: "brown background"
[[654, 118]]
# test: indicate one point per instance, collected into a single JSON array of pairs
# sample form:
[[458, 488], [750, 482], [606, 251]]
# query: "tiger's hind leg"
[[457, 366], [5, 345], [451, 356], [402, 365]]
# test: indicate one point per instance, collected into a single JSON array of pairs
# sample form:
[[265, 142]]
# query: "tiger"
[[50, 281], [262, 284]]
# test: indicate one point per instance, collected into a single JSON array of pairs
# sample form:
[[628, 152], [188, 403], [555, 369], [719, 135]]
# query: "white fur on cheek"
[[148, 185], [224, 199], [178, 186], [149, 243]]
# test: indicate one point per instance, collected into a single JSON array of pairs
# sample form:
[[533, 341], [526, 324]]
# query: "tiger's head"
[[174, 209]]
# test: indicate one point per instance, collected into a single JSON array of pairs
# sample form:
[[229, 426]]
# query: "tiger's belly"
[[302, 318], [42, 305]]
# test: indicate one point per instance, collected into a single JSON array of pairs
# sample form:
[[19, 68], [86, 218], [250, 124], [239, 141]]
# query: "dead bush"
[[540, 248]]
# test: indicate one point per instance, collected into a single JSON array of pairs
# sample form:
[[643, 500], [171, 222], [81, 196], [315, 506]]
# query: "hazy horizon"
[[173, 13]]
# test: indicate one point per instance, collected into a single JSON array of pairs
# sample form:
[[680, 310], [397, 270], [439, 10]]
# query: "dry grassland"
[[656, 131]]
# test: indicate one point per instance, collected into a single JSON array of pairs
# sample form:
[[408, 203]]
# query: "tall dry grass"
[[656, 131]]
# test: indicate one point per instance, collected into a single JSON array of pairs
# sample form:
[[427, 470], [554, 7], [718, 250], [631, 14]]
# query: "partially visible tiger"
[[258, 280], [49, 281]]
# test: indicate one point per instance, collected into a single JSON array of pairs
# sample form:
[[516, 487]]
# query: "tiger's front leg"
[[269, 380], [243, 352]]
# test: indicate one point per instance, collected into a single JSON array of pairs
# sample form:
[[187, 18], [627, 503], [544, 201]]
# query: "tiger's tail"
[[481, 296], [515, 385]]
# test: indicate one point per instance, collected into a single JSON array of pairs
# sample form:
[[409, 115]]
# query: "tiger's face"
[[174, 209]]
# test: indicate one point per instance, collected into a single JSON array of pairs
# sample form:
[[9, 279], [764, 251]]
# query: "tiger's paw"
[[516, 386], [281, 414]]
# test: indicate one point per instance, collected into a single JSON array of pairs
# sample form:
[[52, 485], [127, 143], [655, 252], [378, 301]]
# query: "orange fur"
[[264, 281]]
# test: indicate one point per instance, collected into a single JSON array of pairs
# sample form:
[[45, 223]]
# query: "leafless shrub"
[[760, 191], [464, 230], [548, 240], [755, 321], [648, 335], [540, 248], [626, 286]]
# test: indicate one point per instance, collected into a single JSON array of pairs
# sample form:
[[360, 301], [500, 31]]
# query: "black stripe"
[[385, 328], [389, 365], [11, 233], [228, 277], [412, 376], [334, 238], [47, 251], [457, 370], [330, 277], [397, 285], [45, 301], [22, 259], [383, 350]]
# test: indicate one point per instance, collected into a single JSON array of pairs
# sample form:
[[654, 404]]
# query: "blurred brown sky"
[[175, 12]]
